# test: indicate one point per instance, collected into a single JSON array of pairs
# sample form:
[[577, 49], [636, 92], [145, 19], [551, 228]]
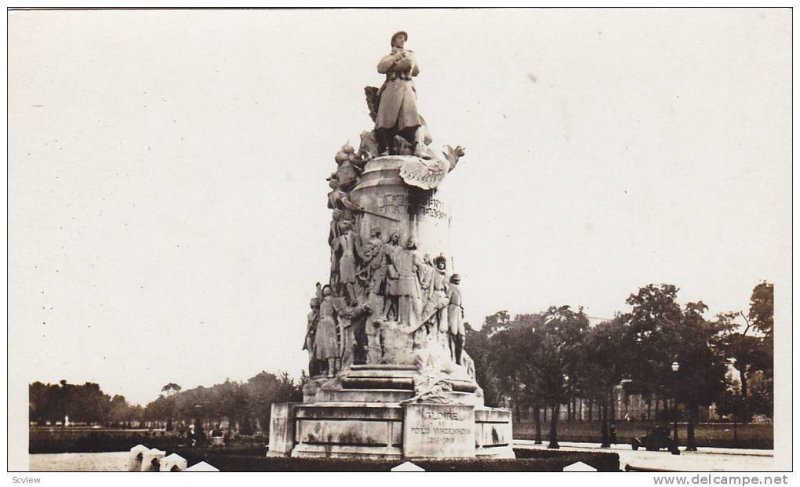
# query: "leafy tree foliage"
[[242, 404], [81, 403], [543, 360], [750, 348]]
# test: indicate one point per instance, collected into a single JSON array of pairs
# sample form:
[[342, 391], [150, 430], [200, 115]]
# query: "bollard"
[[202, 467], [151, 460], [135, 458], [173, 463]]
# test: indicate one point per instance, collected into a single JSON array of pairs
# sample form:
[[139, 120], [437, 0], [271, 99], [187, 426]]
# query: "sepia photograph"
[[400, 239]]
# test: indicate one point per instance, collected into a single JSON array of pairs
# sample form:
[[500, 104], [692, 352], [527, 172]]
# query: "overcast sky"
[[167, 193]]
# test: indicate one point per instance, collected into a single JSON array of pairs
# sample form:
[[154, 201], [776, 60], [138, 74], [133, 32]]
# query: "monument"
[[388, 374]]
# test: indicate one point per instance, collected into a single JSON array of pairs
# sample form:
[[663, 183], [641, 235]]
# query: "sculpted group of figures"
[[382, 280], [376, 282]]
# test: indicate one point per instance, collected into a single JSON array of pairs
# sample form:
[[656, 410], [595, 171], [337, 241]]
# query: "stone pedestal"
[[378, 412], [364, 430], [281, 429], [493, 435]]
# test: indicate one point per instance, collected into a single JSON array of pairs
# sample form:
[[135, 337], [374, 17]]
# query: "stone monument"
[[388, 374]]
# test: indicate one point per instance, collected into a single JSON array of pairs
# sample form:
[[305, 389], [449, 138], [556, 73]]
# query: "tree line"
[[658, 349], [245, 405], [86, 403]]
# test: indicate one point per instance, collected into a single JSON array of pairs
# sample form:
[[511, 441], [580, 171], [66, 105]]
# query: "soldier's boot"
[[382, 137], [410, 134], [459, 343]]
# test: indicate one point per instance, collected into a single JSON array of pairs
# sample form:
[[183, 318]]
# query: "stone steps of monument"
[[398, 383], [382, 373], [384, 396], [349, 410], [385, 383], [364, 395], [384, 367], [390, 376]]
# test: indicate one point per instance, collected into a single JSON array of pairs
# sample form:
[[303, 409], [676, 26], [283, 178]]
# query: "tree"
[[762, 308], [751, 351], [605, 364], [559, 337], [481, 349], [701, 375], [653, 331], [239, 403], [533, 360], [170, 389], [84, 403], [264, 389], [40, 406]]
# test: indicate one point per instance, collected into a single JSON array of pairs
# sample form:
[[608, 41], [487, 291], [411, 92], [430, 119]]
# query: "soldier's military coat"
[[398, 98]]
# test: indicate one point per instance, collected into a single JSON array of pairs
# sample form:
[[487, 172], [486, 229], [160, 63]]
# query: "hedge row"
[[97, 442]]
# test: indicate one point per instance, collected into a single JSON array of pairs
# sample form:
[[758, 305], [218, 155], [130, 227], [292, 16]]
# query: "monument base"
[[383, 419]]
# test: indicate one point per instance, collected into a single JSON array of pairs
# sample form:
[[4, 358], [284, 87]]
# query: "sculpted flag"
[[429, 170], [424, 173]]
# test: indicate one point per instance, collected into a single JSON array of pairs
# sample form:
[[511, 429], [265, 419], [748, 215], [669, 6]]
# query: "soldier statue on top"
[[397, 108]]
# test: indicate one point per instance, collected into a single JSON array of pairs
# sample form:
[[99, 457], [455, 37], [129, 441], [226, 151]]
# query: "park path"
[[79, 462], [704, 460]]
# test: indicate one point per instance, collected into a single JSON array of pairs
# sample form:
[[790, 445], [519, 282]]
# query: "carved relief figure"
[[347, 173], [338, 200], [352, 321], [397, 109], [311, 332], [325, 343], [369, 144], [390, 274], [455, 314], [333, 237], [346, 253], [406, 287], [425, 272], [372, 258], [435, 310]]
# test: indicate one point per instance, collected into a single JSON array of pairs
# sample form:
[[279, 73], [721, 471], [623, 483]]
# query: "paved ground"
[[705, 459], [79, 462]]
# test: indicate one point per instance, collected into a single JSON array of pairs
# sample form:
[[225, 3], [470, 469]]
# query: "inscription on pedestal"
[[439, 431]]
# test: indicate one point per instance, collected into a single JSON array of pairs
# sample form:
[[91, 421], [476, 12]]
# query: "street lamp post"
[[690, 443], [554, 419], [198, 423], [604, 440], [675, 368], [554, 410]]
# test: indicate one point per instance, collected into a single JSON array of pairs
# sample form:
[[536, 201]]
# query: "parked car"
[[656, 439]]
